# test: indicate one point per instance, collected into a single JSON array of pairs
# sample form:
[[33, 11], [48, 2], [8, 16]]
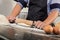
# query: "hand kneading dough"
[[3, 20]]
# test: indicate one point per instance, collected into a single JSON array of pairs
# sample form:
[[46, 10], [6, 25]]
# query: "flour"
[[3, 20]]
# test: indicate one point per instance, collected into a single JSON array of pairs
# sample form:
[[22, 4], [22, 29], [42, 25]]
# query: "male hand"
[[39, 24], [11, 19]]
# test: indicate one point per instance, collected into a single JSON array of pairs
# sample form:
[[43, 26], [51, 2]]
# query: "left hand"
[[39, 24]]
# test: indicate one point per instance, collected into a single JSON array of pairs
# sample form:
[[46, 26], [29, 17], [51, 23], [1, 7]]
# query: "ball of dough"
[[48, 29], [56, 30]]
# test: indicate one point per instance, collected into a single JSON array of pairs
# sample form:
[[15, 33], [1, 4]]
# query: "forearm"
[[16, 10], [52, 16]]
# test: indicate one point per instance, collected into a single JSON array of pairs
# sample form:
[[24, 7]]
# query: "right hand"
[[11, 19]]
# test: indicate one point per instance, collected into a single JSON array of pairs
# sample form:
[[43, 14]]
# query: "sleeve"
[[22, 3], [55, 4]]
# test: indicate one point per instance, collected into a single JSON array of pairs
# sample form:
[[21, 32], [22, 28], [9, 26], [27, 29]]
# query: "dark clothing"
[[37, 10], [22, 2]]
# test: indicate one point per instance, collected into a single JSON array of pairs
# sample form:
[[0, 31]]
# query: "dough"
[[3, 20], [23, 24], [28, 22]]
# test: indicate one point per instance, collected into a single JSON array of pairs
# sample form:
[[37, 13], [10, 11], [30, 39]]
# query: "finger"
[[12, 20], [36, 24], [39, 25], [43, 24]]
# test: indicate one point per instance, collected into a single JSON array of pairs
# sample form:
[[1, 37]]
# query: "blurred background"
[[6, 7]]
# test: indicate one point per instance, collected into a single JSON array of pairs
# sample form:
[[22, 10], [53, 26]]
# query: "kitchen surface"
[[18, 32], [22, 32]]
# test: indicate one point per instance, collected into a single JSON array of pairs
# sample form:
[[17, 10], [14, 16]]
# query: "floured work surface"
[[17, 32]]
